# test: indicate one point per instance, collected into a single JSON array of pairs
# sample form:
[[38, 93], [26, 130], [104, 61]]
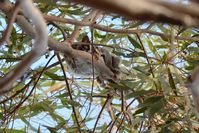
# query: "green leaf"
[[1, 116], [141, 110], [3, 130], [51, 129], [118, 86], [151, 100], [143, 69], [194, 49], [156, 107], [78, 11], [27, 122], [161, 46], [134, 43], [73, 103], [171, 82], [152, 47], [100, 128], [127, 55], [138, 93], [54, 76], [14, 37], [138, 54], [130, 84], [98, 35], [194, 62], [136, 24], [64, 95], [150, 44]]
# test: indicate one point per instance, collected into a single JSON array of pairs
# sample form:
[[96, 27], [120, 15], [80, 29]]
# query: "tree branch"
[[40, 46], [6, 7], [87, 19], [177, 14]]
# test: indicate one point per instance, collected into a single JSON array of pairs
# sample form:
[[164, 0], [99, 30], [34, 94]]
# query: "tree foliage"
[[152, 95]]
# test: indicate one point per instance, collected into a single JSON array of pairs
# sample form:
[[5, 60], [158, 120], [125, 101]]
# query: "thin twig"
[[151, 69], [122, 99], [58, 27], [69, 92], [118, 128], [113, 123], [140, 129], [117, 116], [98, 117]]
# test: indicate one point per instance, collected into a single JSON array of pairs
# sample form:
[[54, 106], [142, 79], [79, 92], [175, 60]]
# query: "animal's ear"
[[85, 39]]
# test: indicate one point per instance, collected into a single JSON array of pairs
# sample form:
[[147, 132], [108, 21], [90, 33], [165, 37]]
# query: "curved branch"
[[39, 49]]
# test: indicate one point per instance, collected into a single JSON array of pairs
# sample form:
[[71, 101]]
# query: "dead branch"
[[39, 49]]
